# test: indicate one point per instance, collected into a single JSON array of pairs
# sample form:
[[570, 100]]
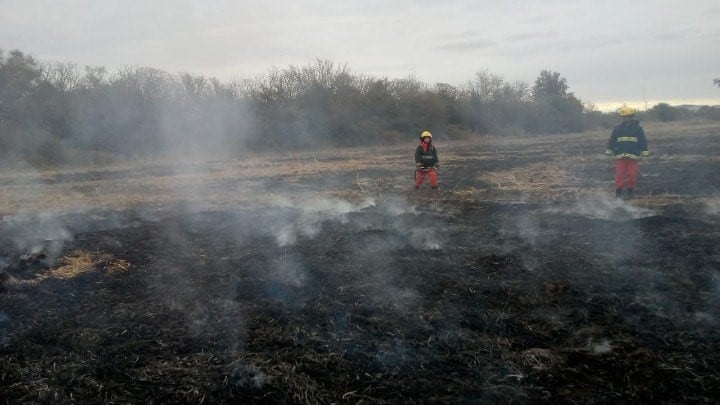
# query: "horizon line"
[[644, 105]]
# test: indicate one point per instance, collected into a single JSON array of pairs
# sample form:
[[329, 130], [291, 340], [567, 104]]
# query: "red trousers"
[[420, 177], [626, 173]]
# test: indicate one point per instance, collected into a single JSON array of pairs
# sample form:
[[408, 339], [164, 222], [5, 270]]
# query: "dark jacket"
[[426, 155], [627, 141]]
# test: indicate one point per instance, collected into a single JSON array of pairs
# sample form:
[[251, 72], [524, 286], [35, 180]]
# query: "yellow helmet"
[[626, 111], [425, 133]]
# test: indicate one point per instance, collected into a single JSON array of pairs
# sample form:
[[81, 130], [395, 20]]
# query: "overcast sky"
[[608, 51]]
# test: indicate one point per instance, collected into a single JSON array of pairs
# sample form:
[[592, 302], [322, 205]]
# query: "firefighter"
[[426, 161], [628, 144]]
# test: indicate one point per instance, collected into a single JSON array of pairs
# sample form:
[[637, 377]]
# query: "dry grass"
[[521, 338], [158, 183], [537, 181], [248, 181], [78, 263]]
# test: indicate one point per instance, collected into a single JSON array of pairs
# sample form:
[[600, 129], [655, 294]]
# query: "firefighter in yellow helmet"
[[426, 161], [628, 145]]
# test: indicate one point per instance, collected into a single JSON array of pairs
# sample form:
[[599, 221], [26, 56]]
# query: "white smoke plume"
[[38, 233], [600, 205], [308, 214], [712, 206]]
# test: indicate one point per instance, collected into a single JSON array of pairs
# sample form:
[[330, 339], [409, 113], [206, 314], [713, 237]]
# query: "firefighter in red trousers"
[[628, 144], [426, 161]]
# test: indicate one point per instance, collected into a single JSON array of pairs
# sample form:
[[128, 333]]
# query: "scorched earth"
[[320, 278]]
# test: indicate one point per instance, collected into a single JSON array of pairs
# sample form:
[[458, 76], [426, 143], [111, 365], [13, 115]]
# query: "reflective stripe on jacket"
[[627, 141], [426, 155]]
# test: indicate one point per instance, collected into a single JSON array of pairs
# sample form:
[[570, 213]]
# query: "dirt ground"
[[322, 278]]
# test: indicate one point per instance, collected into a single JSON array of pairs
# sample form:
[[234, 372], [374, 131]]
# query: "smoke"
[[371, 232], [33, 234], [284, 271], [425, 238], [302, 216], [393, 353], [202, 121], [246, 376], [528, 228], [5, 337], [287, 280], [598, 205], [712, 206], [379, 228], [707, 313], [422, 230]]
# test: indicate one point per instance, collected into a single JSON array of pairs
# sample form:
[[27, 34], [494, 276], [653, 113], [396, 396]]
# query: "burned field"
[[322, 279]]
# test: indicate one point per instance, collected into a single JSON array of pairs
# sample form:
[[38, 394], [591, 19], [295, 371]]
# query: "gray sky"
[[609, 51]]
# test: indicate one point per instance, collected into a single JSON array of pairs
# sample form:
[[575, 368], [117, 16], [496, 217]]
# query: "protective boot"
[[630, 193], [618, 193]]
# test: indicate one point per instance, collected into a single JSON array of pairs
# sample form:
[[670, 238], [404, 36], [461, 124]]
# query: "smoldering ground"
[[224, 283]]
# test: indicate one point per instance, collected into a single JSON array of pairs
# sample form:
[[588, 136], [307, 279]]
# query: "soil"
[[347, 287]]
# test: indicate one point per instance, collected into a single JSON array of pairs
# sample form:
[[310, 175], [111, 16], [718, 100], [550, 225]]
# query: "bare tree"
[[64, 76], [486, 86]]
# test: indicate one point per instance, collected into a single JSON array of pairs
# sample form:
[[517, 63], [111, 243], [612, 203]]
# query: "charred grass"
[[320, 278]]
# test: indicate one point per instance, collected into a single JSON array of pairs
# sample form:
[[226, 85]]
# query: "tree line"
[[53, 112]]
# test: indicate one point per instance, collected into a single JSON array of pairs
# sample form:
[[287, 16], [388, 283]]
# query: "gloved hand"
[[437, 166], [418, 165]]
